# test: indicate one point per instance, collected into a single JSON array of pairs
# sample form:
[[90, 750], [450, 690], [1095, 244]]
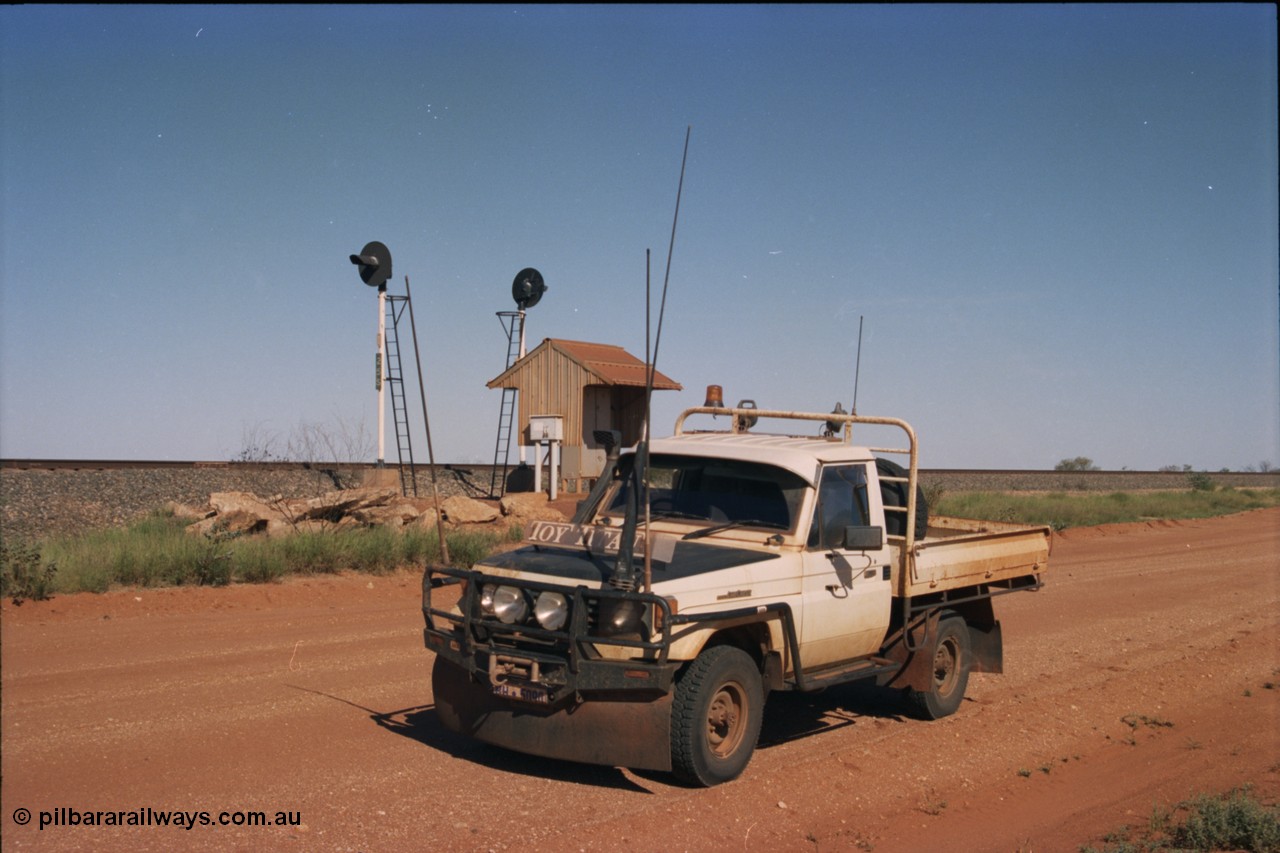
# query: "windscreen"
[[719, 491]]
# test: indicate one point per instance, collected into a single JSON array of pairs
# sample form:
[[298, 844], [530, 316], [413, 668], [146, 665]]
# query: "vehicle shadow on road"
[[420, 723], [794, 716]]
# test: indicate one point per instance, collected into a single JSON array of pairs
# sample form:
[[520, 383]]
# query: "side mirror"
[[857, 538]]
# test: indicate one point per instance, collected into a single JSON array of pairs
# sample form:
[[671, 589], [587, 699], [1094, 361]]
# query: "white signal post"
[[380, 360], [537, 463], [374, 262]]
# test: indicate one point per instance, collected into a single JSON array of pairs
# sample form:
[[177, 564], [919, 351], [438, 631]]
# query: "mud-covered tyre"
[[895, 494], [952, 660], [715, 717]]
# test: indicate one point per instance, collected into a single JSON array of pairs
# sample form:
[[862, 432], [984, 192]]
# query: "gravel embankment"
[[38, 502]]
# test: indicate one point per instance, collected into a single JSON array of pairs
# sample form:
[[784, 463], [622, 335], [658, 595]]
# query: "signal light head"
[[374, 262]]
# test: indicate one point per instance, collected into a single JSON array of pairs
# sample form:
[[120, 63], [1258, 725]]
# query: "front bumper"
[[631, 730], [572, 694]]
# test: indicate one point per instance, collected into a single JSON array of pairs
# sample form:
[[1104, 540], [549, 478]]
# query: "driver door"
[[847, 592]]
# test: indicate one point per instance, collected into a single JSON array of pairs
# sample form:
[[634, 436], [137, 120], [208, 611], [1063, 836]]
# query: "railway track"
[[130, 464], [1265, 479], [40, 497]]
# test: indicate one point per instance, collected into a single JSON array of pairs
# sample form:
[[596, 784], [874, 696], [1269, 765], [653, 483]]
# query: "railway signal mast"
[[526, 290], [374, 262]]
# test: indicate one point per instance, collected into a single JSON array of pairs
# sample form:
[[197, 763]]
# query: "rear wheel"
[[715, 717], [951, 662]]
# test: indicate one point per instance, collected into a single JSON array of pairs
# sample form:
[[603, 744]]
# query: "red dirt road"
[[1147, 671]]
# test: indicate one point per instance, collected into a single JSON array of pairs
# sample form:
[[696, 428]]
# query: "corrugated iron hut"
[[592, 387]]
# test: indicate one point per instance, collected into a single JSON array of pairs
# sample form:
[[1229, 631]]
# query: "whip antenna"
[[648, 391], [662, 307], [625, 575], [857, 368]]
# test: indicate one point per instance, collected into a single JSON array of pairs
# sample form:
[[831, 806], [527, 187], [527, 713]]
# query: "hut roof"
[[609, 364]]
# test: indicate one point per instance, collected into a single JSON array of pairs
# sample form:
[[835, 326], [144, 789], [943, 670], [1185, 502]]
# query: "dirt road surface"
[[1147, 671]]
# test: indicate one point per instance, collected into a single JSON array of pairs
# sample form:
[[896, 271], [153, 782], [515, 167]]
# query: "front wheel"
[[951, 662], [715, 717]]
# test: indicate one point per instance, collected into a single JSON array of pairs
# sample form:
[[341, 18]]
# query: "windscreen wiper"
[[675, 513], [729, 525]]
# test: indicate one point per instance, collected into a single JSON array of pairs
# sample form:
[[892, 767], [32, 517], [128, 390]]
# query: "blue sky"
[[1059, 222]]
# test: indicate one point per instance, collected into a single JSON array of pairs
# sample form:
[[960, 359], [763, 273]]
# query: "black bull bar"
[[551, 693], [623, 732]]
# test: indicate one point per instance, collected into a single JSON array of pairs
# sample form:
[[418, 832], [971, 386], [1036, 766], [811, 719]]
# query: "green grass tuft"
[[1235, 821], [1061, 511], [157, 551], [24, 574]]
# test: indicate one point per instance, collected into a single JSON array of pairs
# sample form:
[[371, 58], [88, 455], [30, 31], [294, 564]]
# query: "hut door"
[[596, 412]]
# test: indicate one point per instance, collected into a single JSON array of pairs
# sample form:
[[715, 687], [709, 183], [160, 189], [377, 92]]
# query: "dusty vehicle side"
[[708, 570]]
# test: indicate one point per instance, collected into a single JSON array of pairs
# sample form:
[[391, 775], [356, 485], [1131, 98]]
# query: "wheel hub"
[[723, 716], [944, 666]]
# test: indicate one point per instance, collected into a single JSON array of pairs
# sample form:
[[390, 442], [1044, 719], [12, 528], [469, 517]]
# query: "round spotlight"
[[509, 605], [551, 610]]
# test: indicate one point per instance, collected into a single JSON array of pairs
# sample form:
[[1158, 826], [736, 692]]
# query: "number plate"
[[536, 695]]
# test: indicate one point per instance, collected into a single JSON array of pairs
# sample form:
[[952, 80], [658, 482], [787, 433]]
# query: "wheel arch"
[[753, 637]]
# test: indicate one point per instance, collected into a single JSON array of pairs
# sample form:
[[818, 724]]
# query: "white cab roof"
[[798, 455]]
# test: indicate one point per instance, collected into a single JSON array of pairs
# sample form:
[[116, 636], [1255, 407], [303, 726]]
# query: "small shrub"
[[23, 575], [933, 493], [207, 563], [1235, 822], [211, 567], [1200, 482]]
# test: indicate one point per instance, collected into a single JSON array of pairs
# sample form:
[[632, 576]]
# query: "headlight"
[[551, 610], [509, 605], [620, 616], [486, 598]]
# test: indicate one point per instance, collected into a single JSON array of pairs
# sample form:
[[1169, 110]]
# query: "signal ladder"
[[513, 325], [395, 380]]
